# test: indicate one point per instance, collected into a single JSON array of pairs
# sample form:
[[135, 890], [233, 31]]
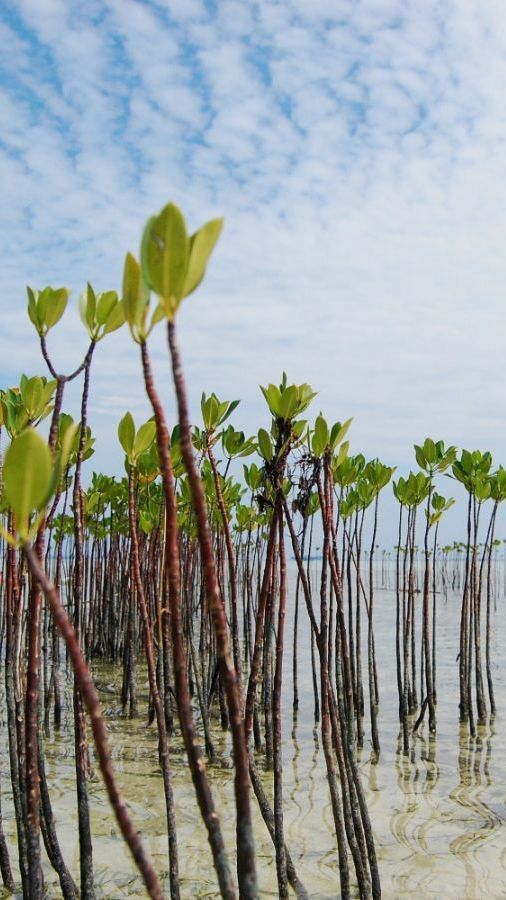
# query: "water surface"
[[438, 816]]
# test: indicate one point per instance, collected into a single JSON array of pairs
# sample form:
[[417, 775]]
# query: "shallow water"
[[438, 817]]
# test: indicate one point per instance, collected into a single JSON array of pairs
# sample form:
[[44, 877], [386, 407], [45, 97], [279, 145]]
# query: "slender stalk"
[[195, 760], [245, 842]]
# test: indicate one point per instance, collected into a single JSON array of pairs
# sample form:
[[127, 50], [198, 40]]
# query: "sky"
[[357, 151]]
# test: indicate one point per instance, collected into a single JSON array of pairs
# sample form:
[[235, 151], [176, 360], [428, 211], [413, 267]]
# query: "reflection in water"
[[438, 814], [474, 775]]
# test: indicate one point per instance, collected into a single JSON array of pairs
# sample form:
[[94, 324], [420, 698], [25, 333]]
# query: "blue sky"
[[358, 153]]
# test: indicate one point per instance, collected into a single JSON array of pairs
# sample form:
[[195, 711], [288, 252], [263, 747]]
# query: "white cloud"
[[359, 159]]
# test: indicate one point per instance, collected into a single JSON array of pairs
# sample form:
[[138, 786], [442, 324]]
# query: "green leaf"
[[272, 395], [339, 432], [32, 308], [288, 405], [67, 438], [429, 451], [320, 440], [56, 306], [115, 319], [91, 306], [157, 316], [144, 438], [126, 433], [264, 444], [231, 405], [82, 305], [31, 393], [105, 304], [342, 453], [164, 256], [27, 476], [135, 298], [305, 395], [420, 456], [201, 246]]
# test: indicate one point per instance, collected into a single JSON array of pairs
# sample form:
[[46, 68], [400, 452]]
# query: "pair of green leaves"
[[498, 485], [100, 314], [378, 474], [439, 505], [172, 265], [253, 476], [46, 307], [216, 412], [325, 439], [433, 457], [413, 490], [472, 468], [66, 423], [346, 471], [135, 443], [26, 405], [236, 444], [286, 402]]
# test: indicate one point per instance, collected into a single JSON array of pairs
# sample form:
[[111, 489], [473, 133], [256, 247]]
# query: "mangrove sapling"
[[400, 492], [345, 475], [255, 675], [472, 471], [410, 651], [378, 476], [358, 532], [418, 486], [45, 309], [215, 415], [483, 493], [136, 300], [354, 816], [439, 506], [433, 458], [276, 715], [100, 314], [135, 444], [307, 510], [337, 806], [173, 265], [345, 514], [498, 494], [267, 670], [341, 712], [285, 403], [434, 605]]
